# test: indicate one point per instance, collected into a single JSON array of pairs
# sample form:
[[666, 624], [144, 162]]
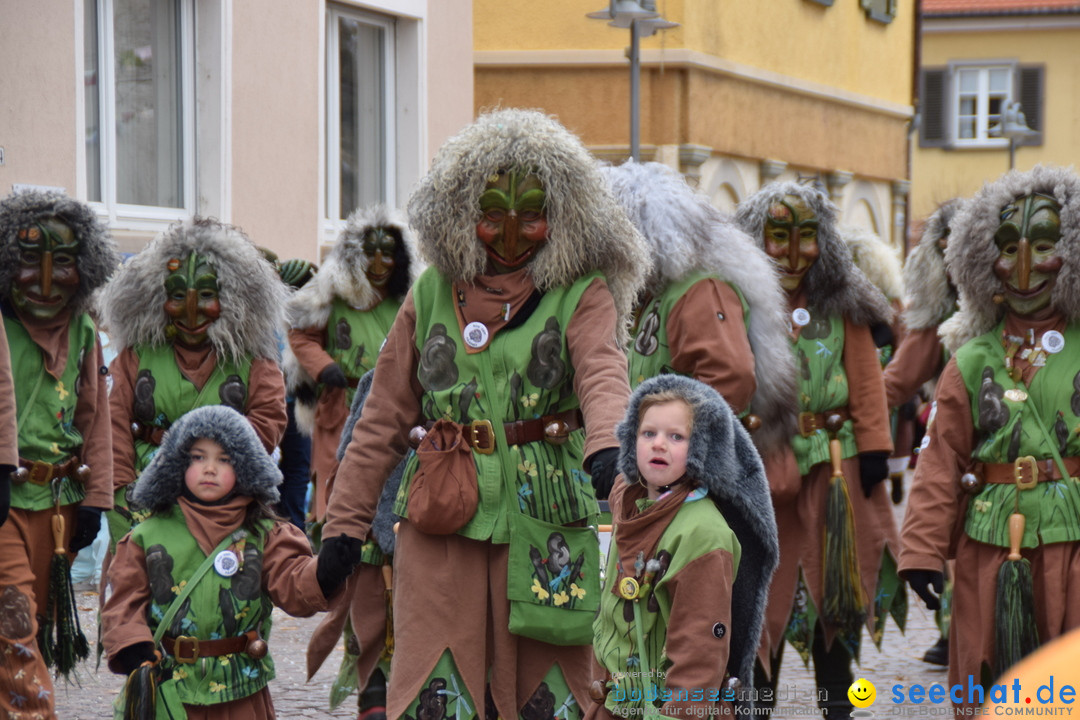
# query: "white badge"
[[476, 334], [226, 563], [800, 316], [1053, 342]]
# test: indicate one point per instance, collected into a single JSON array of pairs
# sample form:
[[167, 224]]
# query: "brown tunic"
[[265, 402], [919, 359], [9, 434]]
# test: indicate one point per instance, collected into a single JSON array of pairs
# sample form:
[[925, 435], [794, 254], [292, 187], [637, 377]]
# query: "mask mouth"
[[41, 299], [514, 264], [1029, 293], [192, 331], [380, 278]]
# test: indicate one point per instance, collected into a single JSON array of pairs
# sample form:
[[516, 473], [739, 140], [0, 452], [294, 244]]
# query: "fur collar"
[[929, 296]]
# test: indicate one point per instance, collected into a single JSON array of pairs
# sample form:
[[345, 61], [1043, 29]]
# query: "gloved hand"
[[921, 580], [129, 659], [873, 468], [333, 376], [87, 525], [5, 491], [305, 394], [882, 334], [603, 468], [337, 558]]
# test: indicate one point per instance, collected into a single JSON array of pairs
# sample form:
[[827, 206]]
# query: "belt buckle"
[[1025, 472], [484, 447], [40, 473], [807, 424], [194, 649]]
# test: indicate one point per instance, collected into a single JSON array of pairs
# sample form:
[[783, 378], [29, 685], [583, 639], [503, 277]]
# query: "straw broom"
[[63, 643], [844, 602], [1016, 634]]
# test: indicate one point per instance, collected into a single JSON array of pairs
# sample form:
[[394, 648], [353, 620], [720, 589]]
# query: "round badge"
[[800, 316], [628, 588], [1053, 342], [226, 563], [1016, 395], [476, 334], [719, 631]]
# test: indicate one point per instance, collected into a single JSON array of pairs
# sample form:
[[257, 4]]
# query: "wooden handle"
[[388, 576], [58, 534], [603, 528], [836, 457], [1016, 534]]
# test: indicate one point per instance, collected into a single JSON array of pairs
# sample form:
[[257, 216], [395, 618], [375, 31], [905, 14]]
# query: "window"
[[961, 103], [360, 114], [139, 108], [881, 10]]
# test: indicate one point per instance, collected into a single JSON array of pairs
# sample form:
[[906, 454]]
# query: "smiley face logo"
[[862, 693]]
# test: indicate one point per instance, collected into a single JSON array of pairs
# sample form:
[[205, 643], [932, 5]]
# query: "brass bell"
[[556, 432], [751, 422], [20, 475], [416, 436], [257, 648], [82, 473], [971, 483]]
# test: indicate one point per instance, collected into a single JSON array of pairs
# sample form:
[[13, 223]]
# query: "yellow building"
[[741, 93], [978, 57]]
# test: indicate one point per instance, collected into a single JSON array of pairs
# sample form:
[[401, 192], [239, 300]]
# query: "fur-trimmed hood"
[[687, 235], [878, 260], [833, 285], [97, 258], [929, 297], [161, 483], [587, 229], [252, 295], [723, 459], [971, 252]]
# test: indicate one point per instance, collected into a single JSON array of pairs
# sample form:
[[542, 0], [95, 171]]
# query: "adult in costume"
[[9, 441], [193, 316], [338, 323], [512, 340], [837, 534], [53, 254], [1000, 465], [712, 307]]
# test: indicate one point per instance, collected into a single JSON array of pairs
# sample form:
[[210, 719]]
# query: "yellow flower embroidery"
[[539, 590], [61, 390], [177, 588], [55, 449], [578, 592], [180, 673], [554, 472], [225, 659], [216, 687], [528, 467], [530, 399], [561, 598], [982, 506]]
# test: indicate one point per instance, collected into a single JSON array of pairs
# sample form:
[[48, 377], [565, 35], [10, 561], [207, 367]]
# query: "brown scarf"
[[639, 532], [52, 337], [209, 524], [492, 300]]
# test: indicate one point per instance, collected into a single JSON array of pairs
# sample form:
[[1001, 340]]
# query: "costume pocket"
[[443, 494], [553, 581]]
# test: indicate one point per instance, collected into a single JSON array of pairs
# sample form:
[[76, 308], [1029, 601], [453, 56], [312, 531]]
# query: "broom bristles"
[[1017, 635], [844, 602], [63, 641], [140, 694]]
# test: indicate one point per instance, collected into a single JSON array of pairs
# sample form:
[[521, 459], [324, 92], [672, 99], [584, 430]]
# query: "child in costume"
[[998, 470], [693, 549], [209, 489], [54, 253]]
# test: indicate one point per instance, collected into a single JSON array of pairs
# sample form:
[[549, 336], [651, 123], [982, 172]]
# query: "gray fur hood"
[[587, 229], [161, 483], [834, 285], [97, 258], [723, 459], [929, 297], [878, 260], [687, 235], [971, 252], [251, 292]]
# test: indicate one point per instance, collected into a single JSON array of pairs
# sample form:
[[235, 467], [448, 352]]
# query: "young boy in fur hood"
[[712, 307], [1003, 440], [194, 317], [54, 253], [209, 490], [820, 600], [693, 549], [514, 334]]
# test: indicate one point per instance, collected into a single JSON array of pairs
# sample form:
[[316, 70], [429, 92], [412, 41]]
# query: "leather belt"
[[1026, 471], [42, 473], [187, 649], [480, 435], [151, 434], [810, 423]]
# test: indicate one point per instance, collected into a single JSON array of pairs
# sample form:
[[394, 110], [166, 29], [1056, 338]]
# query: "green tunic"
[[355, 337]]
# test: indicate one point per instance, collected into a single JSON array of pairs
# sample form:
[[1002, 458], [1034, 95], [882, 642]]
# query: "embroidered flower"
[[553, 472], [61, 390], [55, 449], [539, 590], [530, 400], [177, 588], [216, 687], [982, 506], [250, 671], [225, 659], [561, 598], [180, 673], [528, 467], [578, 592]]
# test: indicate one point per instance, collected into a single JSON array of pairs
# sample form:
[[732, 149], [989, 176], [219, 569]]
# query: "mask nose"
[[192, 307], [1023, 264], [510, 236], [793, 249], [46, 273]]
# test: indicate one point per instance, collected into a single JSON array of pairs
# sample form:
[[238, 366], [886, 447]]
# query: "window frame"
[[982, 139]]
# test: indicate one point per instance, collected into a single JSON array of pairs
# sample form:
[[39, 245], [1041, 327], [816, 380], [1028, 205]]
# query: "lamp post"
[[1013, 126], [643, 20]]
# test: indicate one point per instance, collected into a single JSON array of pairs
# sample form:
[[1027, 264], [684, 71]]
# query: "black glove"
[[129, 659], [305, 394], [333, 376], [603, 467], [921, 580], [873, 468], [882, 334], [87, 525], [5, 491], [337, 558]]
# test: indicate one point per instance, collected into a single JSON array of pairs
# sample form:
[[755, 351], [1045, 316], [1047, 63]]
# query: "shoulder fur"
[[878, 260], [929, 297]]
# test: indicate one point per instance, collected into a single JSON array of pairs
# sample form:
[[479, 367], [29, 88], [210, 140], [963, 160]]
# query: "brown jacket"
[[9, 434], [920, 358]]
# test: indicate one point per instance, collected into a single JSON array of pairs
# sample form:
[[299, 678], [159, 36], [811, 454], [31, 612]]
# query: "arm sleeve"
[[124, 617], [308, 345], [866, 391], [93, 423], [9, 434], [600, 371], [289, 571], [919, 359], [266, 402], [124, 368], [380, 437], [707, 334], [934, 502]]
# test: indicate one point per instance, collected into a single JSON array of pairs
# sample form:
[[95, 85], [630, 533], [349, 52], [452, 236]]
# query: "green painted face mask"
[[1028, 262], [514, 225], [192, 300], [48, 273]]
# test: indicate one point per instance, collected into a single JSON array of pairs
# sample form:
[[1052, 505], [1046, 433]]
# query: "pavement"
[[898, 662]]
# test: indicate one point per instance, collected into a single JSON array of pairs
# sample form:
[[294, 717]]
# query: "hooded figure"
[[337, 324], [194, 316], [513, 339], [54, 253], [712, 307], [1002, 444], [826, 487], [703, 568], [209, 491]]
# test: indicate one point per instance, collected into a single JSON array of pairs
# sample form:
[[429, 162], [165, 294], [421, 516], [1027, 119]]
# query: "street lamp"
[[643, 20], [1013, 126]]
